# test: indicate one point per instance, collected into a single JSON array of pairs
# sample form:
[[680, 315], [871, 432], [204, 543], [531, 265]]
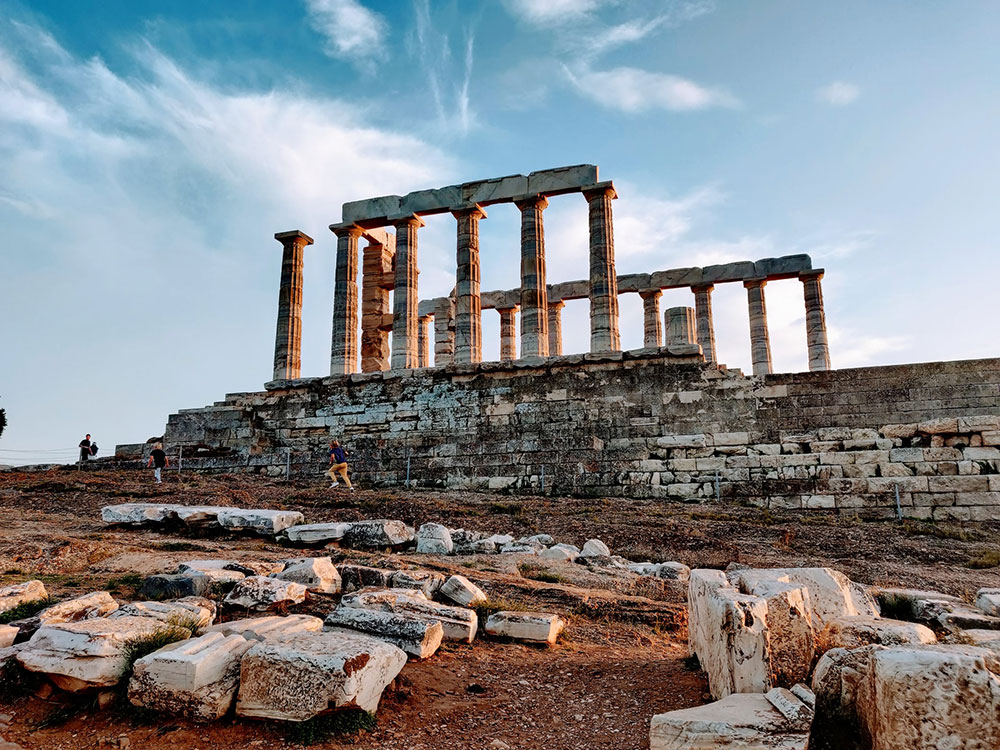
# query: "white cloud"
[[632, 90], [838, 93], [449, 82], [552, 12], [353, 32]]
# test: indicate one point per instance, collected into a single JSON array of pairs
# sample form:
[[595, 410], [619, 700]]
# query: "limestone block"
[[422, 580], [988, 600], [195, 610], [561, 179], [462, 591], [791, 636], [196, 678], [261, 593], [854, 631], [85, 654], [268, 522], [317, 533], [701, 583], [371, 208], [520, 548], [831, 593], [778, 720], [485, 192], [271, 626], [296, 677], [176, 586], [219, 571], [317, 574], [434, 539], [459, 623], [417, 636], [353, 577], [594, 548], [559, 552], [534, 627], [88, 606], [196, 516], [137, 514], [988, 639], [7, 635], [378, 534], [21, 593], [672, 571], [898, 430], [839, 681]]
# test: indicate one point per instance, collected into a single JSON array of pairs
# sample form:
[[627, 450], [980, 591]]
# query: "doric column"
[[404, 295], [819, 350], [680, 326], [468, 306], [555, 328], [651, 318], [508, 334], [344, 346], [534, 293], [760, 344], [703, 317], [603, 279], [288, 337], [444, 332], [424, 341], [376, 282]]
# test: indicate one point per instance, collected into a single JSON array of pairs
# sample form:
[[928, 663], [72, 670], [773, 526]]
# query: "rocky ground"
[[621, 660]]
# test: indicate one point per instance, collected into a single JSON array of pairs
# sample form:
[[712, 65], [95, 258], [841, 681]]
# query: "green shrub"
[[175, 629], [25, 609], [988, 559]]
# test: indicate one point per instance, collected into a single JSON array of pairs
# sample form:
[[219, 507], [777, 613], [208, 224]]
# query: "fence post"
[[407, 470], [543, 477], [180, 459], [288, 464]]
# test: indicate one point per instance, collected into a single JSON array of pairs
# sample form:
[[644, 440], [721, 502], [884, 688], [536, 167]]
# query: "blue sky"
[[149, 151]]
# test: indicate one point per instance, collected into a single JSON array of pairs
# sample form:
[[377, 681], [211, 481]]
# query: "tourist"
[[85, 449], [338, 466], [158, 460]]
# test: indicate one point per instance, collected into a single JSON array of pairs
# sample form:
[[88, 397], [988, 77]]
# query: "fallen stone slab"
[[671, 571], [94, 604], [559, 553], [296, 677], [841, 675], [905, 604], [378, 534], [266, 522], [21, 593], [953, 617], [458, 623], [462, 591], [520, 548], [262, 593], [86, 654], [196, 678], [534, 627], [831, 593], [219, 571], [791, 637], [316, 533], [354, 577], [545, 540], [196, 612], [196, 516], [418, 636], [464, 541], [137, 514], [434, 539], [988, 600], [176, 586], [271, 626], [425, 581], [860, 630], [777, 720], [317, 574], [989, 639], [595, 548], [8, 633]]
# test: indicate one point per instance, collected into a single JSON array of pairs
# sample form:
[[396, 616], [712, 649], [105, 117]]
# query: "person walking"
[[338, 466], [158, 460], [85, 449]]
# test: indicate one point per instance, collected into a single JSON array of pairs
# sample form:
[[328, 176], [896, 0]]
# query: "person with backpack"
[[338, 466], [158, 460]]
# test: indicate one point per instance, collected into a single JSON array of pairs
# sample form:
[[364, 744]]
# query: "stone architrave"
[[819, 350], [405, 299], [444, 332], [555, 328], [508, 334], [760, 342], [344, 343], [377, 281], [680, 323], [704, 322], [534, 293], [468, 305], [604, 334], [652, 336], [424, 341], [288, 337]]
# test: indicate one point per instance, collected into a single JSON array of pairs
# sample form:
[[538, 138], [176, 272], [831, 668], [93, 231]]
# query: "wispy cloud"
[[549, 13], [632, 90], [353, 32], [838, 93], [449, 80]]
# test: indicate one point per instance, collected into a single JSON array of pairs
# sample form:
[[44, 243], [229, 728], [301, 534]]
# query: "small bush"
[[513, 509], [181, 547], [918, 528], [175, 629], [128, 581], [25, 609], [536, 573], [487, 608], [988, 559], [321, 729]]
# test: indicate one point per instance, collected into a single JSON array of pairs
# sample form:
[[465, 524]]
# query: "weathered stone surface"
[[673, 571], [296, 677], [558, 554], [85, 654], [267, 522], [791, 636], [354, 577], [854, 631], [461, 590], [261, 593], [219, 571], [839, 681], [988, 600], [194, 610], [595, 548], [137, 514], [196, 678], [778, 720], [21, 593], [434, 539], [196, 516], [425, 581], [86, 607], [317, 533], [317, 574], [7, 635], [176, 586], [378, 534], [535, 627], [417, 636], [459, 623], [831, 593], [271, 626]]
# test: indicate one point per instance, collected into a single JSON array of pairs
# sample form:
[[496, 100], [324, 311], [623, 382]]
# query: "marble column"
[[468, 306], [344, 345], [424, 341], [760, 344], [819, 350], [534, 293], [604, 335], [651, 335], [703, 317], [405, 296], [444, 332], [376, 283], [288, 337], [680, 322], [555, 328], [508, 334]]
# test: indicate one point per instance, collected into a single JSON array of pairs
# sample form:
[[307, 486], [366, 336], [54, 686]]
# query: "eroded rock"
[[434, 539], [534, 627], [378, 534], [317, 574], [860, 630], [317, 533], [262, 593], [271, 626], [267, 522], [462, 591], [21, 593], [418, 636], [195, 612], [459, 623]]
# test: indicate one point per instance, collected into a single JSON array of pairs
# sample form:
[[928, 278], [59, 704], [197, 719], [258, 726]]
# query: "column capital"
[[288, 238], [524, 202], [651, 293], [751, 283], [347, 229], [507, 310], [472, 209], [556, 304], [600, 190], [814, 275], [702, 288], [406, 220]]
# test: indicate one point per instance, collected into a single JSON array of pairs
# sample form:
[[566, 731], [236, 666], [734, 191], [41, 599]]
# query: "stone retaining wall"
[[643, 424]]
